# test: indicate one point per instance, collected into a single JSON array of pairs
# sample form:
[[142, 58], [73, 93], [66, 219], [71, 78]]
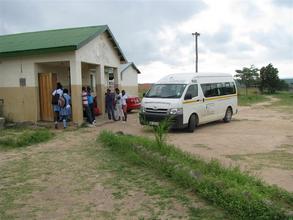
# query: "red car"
[[133, 102], [96, 108]]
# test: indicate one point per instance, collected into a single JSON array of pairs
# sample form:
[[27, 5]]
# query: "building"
[[128, 76], [32, 63]]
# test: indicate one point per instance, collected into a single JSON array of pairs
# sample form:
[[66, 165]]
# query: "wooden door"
[[45, 95]]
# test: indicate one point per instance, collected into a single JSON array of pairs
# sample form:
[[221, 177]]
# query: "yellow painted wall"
[[20, 103], [130, 90]]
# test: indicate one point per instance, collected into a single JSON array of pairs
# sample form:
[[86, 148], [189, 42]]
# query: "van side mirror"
[[187, 96], [143, 94]]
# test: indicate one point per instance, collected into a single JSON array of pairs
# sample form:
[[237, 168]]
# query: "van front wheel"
[[228, 115], [192, 123]]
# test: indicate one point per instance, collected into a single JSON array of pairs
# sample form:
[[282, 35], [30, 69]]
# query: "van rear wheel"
[[228, 115], [192, 123]]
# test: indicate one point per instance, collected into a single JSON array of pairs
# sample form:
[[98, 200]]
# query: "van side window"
[[218, 89], [232, 85], [193, 90], [207, 90]]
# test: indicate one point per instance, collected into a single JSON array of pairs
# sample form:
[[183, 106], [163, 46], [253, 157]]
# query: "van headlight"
[[176, 111]]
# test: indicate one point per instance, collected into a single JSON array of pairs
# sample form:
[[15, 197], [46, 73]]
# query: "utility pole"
[[196, 34]]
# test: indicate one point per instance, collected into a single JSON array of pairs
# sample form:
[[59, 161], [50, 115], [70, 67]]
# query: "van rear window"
[[218, 89]]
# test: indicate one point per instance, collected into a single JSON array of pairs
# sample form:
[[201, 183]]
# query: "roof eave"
[[106, 28], [134, 66], [120, 53], [38, 51]]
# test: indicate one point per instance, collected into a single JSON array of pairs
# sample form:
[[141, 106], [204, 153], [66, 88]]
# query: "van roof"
[[188, 77]]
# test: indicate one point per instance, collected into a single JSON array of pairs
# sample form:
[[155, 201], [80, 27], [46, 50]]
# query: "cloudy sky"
[[156, 35]]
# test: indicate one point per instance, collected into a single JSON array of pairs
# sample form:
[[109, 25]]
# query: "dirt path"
[[258, 139], [73, 177]]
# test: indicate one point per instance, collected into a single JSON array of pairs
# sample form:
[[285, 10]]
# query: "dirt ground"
[[258, 139], [72, 177]]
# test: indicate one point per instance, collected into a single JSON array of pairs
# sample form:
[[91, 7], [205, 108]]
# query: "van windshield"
[[166, 91]]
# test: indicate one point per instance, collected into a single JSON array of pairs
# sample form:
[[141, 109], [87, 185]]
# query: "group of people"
[[116, 105], [116, 101]]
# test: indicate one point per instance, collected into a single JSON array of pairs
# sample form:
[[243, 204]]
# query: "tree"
[[247, 76], [269, 79]]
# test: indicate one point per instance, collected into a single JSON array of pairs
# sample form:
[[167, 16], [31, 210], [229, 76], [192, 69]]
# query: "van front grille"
[[157, 110]]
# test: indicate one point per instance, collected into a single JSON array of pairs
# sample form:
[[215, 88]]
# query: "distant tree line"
[[265, 78]]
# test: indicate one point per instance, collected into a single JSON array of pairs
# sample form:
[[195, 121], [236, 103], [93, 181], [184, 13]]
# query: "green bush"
[[25, 139], [244, 196]]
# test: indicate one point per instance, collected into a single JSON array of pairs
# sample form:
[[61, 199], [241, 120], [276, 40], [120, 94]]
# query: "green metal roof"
[[53, 41]]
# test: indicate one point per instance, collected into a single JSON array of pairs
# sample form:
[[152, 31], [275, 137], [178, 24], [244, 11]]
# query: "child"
[[90, 100], [65, 111], [56, 108], [85, 104]]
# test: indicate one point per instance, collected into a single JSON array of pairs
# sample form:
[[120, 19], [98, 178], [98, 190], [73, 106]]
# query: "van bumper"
[[148, 118]]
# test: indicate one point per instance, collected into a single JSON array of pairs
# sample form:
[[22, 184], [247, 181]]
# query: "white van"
[[190, 99]]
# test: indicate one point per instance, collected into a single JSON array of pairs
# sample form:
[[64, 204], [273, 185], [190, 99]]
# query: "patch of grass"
[[159, 195], [248, 100], [14, 181], [285, 101], [243, 196], [286, 146], [18, 139], [250, 91], [277, 158]]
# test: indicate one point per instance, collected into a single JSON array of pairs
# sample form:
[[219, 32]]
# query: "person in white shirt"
[[118, 104], [124, 104], [57, 93]]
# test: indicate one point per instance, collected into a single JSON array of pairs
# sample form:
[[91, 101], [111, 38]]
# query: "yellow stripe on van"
[[189, 101], [210, 99], [221, 97]]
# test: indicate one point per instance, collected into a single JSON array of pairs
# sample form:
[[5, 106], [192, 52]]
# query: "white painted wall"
[[129, 77], [11, 69], [129, 81], [99, 51]]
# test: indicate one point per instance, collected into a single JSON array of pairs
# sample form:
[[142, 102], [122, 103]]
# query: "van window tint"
[[193, 90], [218, 89]]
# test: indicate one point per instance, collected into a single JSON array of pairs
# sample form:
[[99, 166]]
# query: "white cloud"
[[156, 35], [234, 34]]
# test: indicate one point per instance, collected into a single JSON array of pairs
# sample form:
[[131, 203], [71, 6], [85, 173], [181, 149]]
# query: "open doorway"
[[49, 74]]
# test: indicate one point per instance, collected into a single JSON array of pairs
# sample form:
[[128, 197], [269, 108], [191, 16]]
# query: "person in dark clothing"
[[90, 99], [109, 99], [86, 106], [57, 93]]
